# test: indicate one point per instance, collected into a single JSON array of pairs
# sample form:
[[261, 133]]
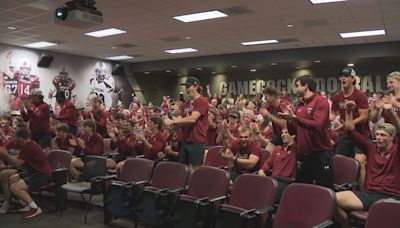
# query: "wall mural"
[[77, 78]]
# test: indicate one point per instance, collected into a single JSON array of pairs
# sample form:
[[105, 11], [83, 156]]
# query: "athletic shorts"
[[192, 153], [34, 182], [368, 198]]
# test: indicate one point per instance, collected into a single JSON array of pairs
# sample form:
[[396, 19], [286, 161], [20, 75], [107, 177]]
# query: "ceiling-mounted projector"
[[78, 14]]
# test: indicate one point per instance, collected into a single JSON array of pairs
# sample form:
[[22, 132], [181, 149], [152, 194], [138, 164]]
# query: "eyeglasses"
[[233, 117]]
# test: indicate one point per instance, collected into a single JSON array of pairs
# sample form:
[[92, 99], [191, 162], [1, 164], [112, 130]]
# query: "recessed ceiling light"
[[253, 70], [178, 75], [105, 32], [317, 61], [188, 37], [350, 64], [213, 72], [182, 50], [113, 47], [249, 43], [168, 71], [298, 68], [11, 28], [198, 68], [41, 44], [290, 26], [273, 64], [325, 1], [146, 72], [120, 57], [200, 16], [363, 33], [233, 66]]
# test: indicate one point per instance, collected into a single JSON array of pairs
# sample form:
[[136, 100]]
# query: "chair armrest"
[[60, 170], [177, 190], [201, 201], [140, 156], [213, 200], [325, 223], [345, 186]]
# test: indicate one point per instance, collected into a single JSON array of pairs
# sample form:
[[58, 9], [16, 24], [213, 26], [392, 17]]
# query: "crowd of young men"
[[300, 136]]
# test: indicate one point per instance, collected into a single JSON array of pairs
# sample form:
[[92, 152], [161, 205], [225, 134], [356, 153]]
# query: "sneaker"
[[4, 208], [32, 213], [24, 209]]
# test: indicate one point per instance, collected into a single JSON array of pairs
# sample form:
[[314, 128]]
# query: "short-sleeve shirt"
[[35, 159], [252, 148], [196, 132]]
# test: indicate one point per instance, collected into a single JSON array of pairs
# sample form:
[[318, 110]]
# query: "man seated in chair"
[[244, 152], [89, 143], [63, 140], [35, 174], [382, 172], [282, 162]]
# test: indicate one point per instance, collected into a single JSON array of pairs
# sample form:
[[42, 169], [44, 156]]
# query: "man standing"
[[68, 113], [194, 123], [346, 146], [38, 115], [310, 122]]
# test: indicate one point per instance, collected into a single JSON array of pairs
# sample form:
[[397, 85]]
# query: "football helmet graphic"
[[25, 69], [63, 74], [100, 71]]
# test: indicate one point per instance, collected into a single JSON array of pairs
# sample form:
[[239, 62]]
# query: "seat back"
[[208, 181], [384, 213], [214, 159], [345, 170], [170, 175], [253, 192], [59, 159], [136, 169], [94, 166], [304, 206]]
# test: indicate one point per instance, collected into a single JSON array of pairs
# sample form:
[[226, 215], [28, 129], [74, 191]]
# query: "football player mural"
[[63, 84], [103, 86]]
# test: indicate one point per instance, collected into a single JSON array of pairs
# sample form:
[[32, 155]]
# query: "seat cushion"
[[78, 187], [359, 215]]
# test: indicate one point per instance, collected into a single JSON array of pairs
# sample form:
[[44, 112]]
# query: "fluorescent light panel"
[[182, 50], [325, 1], [200, 16], [363, 33], [41, 44], [120, 57], [105, 32], [249, 43]]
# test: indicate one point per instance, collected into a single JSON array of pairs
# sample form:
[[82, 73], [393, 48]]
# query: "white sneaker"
[[4, 208], [24, 209]]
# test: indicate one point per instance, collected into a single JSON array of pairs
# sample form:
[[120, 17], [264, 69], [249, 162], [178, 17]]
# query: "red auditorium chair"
[[214, 159], [156, 205], [122, 195], [93, 173], [59, 162], [251, 200], [305, 206], [384, 213], [346, 173], [207, 187]]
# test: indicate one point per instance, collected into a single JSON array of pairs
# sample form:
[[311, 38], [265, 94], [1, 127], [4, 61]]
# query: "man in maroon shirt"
[[37, 171], [382, 173], [346, 146], [98, 115], [282, 162], [68, 113], [37, 113], [152, 143], [310, 122], [90, 143], [194, 123], [64, 140], [245, 153]]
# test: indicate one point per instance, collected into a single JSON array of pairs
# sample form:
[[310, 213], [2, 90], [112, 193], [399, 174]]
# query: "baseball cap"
[[348, 71], [191, 81], [37, 92], [15, 113], [388, 128]]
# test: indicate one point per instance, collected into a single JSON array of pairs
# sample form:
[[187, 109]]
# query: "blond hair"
[[394, 75]]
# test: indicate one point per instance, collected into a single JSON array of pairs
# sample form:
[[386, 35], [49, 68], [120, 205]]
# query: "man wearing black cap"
[[346, 145], [194, 123]]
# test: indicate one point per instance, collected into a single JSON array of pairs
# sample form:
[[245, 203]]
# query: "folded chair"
[[207, 187], [305, 206], [159, 199], [252, 197], [93, 173]]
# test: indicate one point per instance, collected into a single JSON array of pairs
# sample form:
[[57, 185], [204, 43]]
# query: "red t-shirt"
[[64, 144], [387, 117], [311, 125], [282, 162], [158, 142], [383, 170], [252, 148], [196, 132], [93, 145], [361, 100], [35, 159], [125, 145], [68, 113], [277, 130], [39, 118], [100, 117]]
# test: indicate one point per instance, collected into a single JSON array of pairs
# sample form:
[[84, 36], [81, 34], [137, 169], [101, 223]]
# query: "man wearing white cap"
[[37, 112]]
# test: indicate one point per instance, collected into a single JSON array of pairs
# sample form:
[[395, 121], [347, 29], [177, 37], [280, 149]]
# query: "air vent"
[[236, 10], [170, 39], [314, 23], [127, 45]]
